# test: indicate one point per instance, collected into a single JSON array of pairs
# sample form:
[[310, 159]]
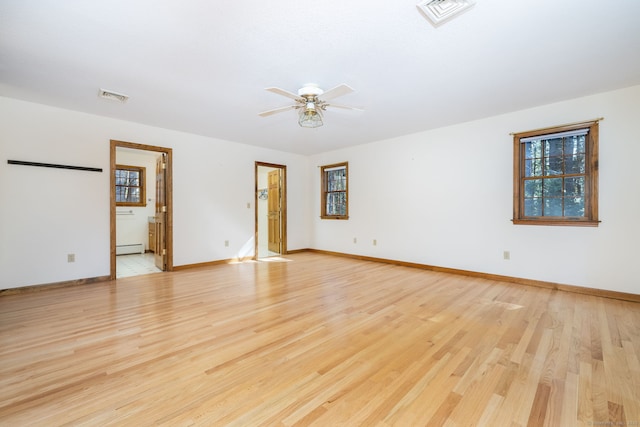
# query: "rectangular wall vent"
[[114, 96], [439, 11]]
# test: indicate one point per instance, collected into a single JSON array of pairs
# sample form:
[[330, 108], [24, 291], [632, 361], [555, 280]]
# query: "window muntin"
[[556, 175], [130, 185], [335, 191]]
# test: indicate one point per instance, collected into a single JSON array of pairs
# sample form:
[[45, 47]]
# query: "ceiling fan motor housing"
[[310, 90]]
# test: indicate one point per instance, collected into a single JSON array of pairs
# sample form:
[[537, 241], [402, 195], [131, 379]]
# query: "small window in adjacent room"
[[335, 191], [556, 175], [130, 182]]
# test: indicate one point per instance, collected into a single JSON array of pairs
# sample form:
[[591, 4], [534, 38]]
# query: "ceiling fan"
[[311, 101]]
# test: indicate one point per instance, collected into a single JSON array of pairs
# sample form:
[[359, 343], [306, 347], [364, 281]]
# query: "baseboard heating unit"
[[136, 248]]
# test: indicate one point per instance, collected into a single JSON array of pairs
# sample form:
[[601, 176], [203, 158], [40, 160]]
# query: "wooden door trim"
[[283, 205], [169, 195]]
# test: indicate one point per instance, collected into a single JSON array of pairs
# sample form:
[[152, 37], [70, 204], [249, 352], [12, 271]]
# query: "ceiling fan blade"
[[337, 91], [285, 93], [346, 107], [277, 110]]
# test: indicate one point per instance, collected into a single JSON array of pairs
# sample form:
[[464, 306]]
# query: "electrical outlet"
[[375, 242], [506, 255], [226, 243], [71, 257], [355, 240], [248, 205]]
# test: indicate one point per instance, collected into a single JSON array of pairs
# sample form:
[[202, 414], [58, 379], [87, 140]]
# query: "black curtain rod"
[[53, 165]]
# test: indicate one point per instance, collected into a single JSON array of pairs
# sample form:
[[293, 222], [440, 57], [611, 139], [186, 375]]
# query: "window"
[[130, 186], [334, 191], [556, 175]]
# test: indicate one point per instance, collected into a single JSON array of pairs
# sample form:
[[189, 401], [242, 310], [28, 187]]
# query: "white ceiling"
[[201, 66]]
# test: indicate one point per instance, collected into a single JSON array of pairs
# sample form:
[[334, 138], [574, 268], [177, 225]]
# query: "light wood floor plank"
[[313, 339]]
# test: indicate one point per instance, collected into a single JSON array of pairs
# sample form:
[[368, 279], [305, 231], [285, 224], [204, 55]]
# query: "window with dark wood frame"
[[334, 192], [130, 186], [555, 175]]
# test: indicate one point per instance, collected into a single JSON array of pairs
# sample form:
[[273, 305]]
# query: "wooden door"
[[275, 237], [161, 212]]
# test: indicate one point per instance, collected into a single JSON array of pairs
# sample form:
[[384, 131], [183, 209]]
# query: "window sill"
[[333, 217], [557, 222]]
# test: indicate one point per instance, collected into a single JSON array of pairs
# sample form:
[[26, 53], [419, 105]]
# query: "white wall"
[[441, 197], [444, 198], [46, 213]]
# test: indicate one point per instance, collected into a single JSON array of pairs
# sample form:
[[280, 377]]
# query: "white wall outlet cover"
[[440, 11]]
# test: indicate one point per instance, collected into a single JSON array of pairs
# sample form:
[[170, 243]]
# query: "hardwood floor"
[[317, 340]]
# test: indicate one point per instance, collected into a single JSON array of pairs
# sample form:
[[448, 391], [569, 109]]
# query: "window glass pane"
[[553, 147], [552, 187], [574, 144], [553, 206], [533, 167], [533, 188], [123, 194], [532, 149], [342, 204], [574, 187], [134, 194], [134, 179], [553, 165], [121, 178], [336, 203], [336, 180], [533, 207], [574, 164], [120, 194], [574, 206]]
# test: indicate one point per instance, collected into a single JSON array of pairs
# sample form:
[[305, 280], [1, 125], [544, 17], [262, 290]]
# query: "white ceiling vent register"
[[439, 11], [114, 96]]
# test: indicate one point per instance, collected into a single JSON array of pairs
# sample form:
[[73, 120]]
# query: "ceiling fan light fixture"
[[310, 117]]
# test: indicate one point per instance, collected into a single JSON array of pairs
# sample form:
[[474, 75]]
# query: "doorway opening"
[[270, 210], [154, 241]]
